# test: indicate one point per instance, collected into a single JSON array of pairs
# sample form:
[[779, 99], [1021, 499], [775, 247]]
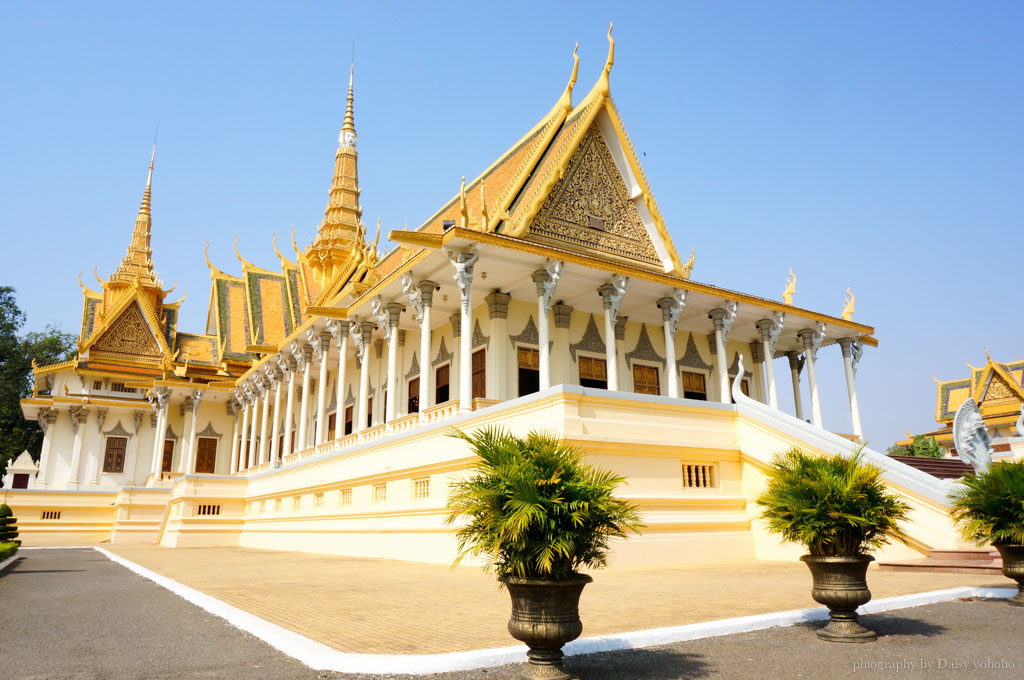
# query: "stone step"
[[964, 554], [949, 566]]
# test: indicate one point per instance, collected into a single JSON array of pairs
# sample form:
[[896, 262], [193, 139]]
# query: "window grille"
[[699, 476], [210, 510], [421, 489], [277, 505], [97, 384], [51, 514], [318, 501], [121, 387], [296, 502], [380, 493], [346, 497]]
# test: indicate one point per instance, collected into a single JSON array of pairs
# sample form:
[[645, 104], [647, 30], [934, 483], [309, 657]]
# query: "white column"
[[852, 350], [307, 358], [264, 452], [277, 384], [162, 397], [360, 334], [243, 439], [560, 356], [612, 296], [79, 417], [136, 441], [723, 318], [770, 329], [192, 438], [252, 456], [101, 415], [290, 366], [394, 310], [796, 364], [812, 341], [427, 300], [671, 309], [463, 263], [339, 331], [546, 280], [321, 344], [497, 353], [46, 418], [235, 433]]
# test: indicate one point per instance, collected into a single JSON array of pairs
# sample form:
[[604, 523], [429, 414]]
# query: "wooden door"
[[113, 455], [168, 455], [645, 380], [348, 419], [441, 384], [206, 456], [529, 370], [332, 422], [480, 374], [414, 396]]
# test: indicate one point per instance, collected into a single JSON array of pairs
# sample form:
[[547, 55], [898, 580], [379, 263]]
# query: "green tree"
[[921, 446], [16, 354]]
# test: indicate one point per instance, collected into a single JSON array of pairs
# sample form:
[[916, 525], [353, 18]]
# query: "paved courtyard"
[[390, 607]]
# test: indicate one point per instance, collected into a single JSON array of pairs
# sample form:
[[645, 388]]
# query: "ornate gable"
[[130, 337], [589, 209]]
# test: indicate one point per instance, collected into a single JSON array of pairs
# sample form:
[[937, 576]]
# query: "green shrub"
[[990, 507], [8, 524], [836, 506], [534, 508], [920, 446], [7, 549]]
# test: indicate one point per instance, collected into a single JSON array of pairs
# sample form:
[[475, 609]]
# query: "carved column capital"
[[463, 263], [546, 280], [796, 361], [671, 308], [456, 321], [338, 329], [612, 294], [620, 328], [812, 338], [413, 295], [723, 318], [563, 315], [497, 304], [427, 289]]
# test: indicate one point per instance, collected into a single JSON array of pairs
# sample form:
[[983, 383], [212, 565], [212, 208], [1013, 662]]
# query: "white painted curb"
[[57, 547], [322, 657], [9, 561]]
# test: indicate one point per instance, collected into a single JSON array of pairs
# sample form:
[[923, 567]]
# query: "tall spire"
[[340, 233], [137, 264]]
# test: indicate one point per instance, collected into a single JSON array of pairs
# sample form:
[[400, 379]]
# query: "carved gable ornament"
[[589, 208], [998, 389], [130, 335]]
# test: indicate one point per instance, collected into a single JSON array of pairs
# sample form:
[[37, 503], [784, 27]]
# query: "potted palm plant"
[[839, 509], [989, 508], [538, 514]]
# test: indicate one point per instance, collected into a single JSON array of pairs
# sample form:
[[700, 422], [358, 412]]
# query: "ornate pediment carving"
[[130, 335], [589, 207]]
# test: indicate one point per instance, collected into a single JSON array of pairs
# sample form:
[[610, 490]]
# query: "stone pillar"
[[796, 364], [101, 415], [620, 364], [394, 310], [197, 396], [361, 336], [235, 432], [757, 355], [162, 396], [671, 309], [136, 442], [264, 453], [723, 318], [378, 370], [497, 354], [253, 453], [339, 331], [320, 343], [812, 341], [426, 289], [546, 280], [79, 417], [276, 384], [47, 418], [290, 367], [560, 356], [243, 436], [455, 367], [463, 264], [852, 350], [307, 359], [612, 293], [770, 329]]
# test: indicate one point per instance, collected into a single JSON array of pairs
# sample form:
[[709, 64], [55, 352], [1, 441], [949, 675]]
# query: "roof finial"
[[566, 99], [483, 209], [787, 295], [462, 205], [848, 310], [603, 82]]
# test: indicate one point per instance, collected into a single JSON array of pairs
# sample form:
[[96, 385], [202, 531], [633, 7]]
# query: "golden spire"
[[138, 261], [339, 235]]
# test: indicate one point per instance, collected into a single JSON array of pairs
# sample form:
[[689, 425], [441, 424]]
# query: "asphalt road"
[[75, 614]]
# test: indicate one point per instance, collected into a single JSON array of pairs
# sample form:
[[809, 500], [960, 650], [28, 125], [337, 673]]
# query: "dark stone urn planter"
[[545, 615], [840, 583], [1013, 567]]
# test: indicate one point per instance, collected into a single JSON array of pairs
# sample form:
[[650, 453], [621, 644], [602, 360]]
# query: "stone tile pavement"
[[373, 606]]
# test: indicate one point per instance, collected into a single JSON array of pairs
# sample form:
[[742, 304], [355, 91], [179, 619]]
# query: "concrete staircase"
[[951, 562]]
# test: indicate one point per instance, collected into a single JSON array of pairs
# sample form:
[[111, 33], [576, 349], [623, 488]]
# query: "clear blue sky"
[[875, 145]]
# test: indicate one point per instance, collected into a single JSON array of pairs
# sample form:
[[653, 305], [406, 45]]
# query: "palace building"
[[313, 411], [998, 388]]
